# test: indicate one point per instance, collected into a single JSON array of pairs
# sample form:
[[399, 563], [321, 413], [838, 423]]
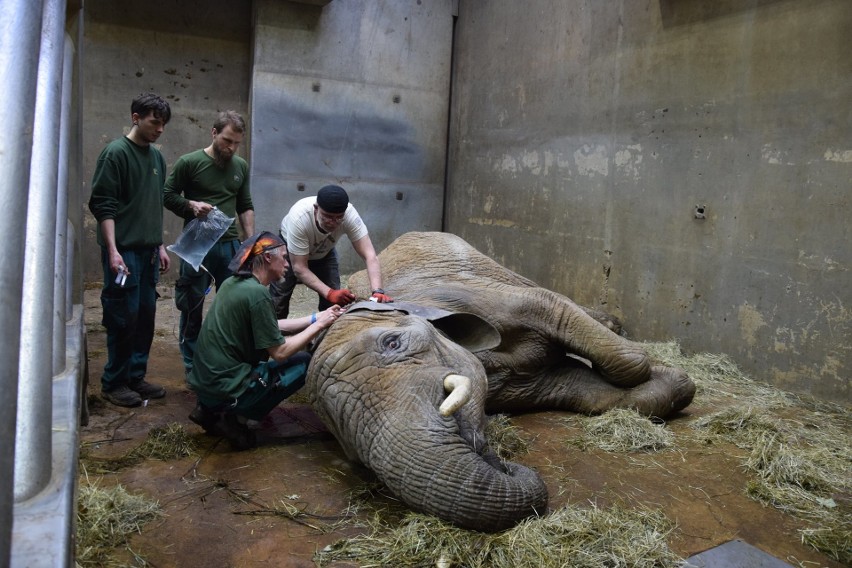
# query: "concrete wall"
[[356, 94], [586, 134], [351, 92], [194, 53]]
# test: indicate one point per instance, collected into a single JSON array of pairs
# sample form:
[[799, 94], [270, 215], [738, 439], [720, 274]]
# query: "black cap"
[[332, 199]]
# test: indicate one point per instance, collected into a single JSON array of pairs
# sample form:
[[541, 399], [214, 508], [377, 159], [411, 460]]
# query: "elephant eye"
[[391, 342]]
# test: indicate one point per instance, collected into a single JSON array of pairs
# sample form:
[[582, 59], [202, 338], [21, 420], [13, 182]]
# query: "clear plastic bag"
[[199, 236]]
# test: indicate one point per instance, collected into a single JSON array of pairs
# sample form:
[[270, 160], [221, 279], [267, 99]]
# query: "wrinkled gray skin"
[[376, 379]]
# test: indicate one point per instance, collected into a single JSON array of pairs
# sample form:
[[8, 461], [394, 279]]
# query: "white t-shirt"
[[304, 237]]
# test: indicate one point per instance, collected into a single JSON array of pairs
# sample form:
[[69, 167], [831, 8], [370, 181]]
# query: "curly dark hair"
[[149, 102]]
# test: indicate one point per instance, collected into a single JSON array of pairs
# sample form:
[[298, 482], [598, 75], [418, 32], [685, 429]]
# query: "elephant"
[[406, 387]]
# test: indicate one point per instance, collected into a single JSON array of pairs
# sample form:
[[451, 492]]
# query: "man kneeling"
[[232, 375]]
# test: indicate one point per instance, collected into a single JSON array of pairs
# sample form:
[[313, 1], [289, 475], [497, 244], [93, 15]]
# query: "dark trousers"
[[190, 290], [269, 384], [326, 269], [128, 316]]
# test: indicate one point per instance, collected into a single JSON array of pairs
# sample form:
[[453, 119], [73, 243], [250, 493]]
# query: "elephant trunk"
[[450, 480]]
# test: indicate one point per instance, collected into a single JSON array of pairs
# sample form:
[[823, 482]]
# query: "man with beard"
[[127, 202], [211, 177]]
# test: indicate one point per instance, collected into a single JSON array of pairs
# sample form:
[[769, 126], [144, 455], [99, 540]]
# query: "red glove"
[[340, 297], [381, 297]]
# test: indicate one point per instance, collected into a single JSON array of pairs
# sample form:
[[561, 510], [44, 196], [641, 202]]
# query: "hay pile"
[[717, 378], [797, 447], [106, 518], [800, 466], [504, 438], [572, 536], [163, 443], [623, 430]]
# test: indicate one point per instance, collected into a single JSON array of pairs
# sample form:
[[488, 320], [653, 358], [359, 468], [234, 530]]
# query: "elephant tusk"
[[458, 389]]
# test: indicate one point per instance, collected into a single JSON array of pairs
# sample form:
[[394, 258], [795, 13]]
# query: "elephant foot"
[[609, 321], [668, 391]]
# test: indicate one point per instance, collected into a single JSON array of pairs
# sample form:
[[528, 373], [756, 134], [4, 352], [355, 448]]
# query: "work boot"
[[122, 396], [207, 419], [146, 390], [237, 432]]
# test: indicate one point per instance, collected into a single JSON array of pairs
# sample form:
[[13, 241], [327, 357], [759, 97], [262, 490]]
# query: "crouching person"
[[243, 366]]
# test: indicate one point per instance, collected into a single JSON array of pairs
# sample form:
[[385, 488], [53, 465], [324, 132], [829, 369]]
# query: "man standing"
[[234, 379], [127, 202], [311, 229], [208, 178]]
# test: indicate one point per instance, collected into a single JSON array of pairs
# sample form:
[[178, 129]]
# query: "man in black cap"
[[245, 367], [311, 229]]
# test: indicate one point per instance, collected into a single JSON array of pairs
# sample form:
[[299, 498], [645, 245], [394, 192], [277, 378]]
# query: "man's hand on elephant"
[[327, 317], [380, 296], [340, 297]]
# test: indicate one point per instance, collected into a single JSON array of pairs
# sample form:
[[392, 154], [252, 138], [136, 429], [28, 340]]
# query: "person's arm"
[[165, 261], [305, 276], [115, 259], [103, 203], [303, 273], [309, 330], [290, 326], [247, 222], [244, 205], [174, 200], [364, 248]]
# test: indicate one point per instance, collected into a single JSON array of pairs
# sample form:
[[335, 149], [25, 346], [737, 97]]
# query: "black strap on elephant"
[[468, 330]]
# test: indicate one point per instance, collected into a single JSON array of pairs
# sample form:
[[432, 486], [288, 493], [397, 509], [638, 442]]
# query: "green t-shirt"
[[234, 338], [128, 188], [197, 176]]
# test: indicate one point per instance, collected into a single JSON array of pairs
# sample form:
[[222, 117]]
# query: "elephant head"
[[407, 397], [407, 401]]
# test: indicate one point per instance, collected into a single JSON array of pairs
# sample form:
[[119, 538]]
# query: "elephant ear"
[[466, 330]]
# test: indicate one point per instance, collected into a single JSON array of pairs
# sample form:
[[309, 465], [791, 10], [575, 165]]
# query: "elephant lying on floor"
[[405, 387]]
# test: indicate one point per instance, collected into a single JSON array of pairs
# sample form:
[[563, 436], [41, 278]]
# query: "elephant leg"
[[542, 316], [575, 387]]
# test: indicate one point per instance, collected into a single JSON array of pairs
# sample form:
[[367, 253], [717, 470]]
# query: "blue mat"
[[735, 554]]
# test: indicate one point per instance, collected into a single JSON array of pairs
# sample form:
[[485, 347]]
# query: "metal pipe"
[[20, 28], [62, 278], [33, 453]]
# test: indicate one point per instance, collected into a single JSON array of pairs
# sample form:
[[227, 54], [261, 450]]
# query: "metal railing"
[[43, 345]]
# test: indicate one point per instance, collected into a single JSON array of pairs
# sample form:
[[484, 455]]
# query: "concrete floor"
[[217, 504]]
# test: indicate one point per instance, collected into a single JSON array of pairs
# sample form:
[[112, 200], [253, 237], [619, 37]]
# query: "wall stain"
[[750, 322], [491, 222], [628, 161], [844, 156], [488, 205], [591, 160]]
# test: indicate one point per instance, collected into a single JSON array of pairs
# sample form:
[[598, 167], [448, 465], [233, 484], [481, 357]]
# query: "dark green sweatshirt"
[[197, 176], [128, 188]]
